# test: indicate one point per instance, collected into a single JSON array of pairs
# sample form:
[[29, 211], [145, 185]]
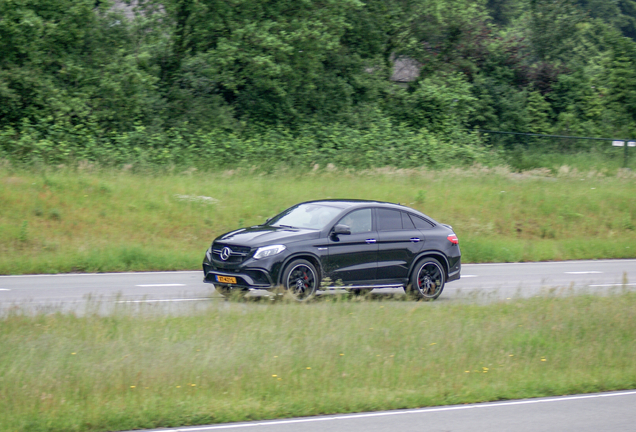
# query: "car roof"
[[350, 203]]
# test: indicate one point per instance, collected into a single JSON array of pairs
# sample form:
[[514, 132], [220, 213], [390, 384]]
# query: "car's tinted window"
[[406, 222], [421, 223], [359, 221], [389, 220]]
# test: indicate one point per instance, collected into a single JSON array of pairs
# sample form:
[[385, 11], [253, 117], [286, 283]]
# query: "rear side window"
[[389, 220], [406, 222], [421, 223]]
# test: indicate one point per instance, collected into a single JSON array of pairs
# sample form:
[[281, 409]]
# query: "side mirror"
[[341, 229]]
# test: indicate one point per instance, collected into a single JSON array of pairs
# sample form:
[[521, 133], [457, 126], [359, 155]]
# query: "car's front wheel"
[[230, 292], [427, 280], [300, 279], [225, 291]]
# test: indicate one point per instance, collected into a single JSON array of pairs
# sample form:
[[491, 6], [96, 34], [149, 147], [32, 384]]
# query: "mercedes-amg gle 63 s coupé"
[[357, 244]]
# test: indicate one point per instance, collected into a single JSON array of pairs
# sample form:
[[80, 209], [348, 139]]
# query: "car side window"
[[389, 220], [407, 223], [359, 221], [421, 223]]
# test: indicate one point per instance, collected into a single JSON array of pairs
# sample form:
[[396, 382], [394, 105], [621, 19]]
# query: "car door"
[[399, 242], [353, 257]]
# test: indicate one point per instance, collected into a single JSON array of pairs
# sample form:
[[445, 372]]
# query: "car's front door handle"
[[415, 239], [370, 241]]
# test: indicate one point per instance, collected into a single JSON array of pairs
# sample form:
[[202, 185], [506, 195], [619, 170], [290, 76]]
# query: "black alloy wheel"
[[427, 280], [301, 279]]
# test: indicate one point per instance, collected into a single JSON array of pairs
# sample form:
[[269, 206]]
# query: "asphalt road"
[[578, 413], [174, 290]]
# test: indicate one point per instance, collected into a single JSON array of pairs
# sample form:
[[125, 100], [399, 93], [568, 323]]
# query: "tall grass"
[[61, 220], [245, 361]]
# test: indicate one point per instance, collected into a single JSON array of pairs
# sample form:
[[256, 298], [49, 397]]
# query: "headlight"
[[268, 251]]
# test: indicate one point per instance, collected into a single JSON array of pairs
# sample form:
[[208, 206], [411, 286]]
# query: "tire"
[[300, 280], [427, 280], [225, 291], [230, 292]]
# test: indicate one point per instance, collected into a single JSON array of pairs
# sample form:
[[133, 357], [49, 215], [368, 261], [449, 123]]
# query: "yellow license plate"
[[226, 279]]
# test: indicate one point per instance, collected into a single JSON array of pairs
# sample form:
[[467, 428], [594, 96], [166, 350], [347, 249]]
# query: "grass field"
[[245, 361], [62, 220]]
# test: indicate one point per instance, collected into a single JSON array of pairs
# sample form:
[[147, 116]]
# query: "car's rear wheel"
[[427, 280], [300, 279]]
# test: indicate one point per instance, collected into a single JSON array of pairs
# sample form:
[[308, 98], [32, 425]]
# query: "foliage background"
[[304, 82]]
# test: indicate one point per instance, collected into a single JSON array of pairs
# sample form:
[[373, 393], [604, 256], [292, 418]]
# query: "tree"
[[272, 62], [503, 12], [621, 14], [620, 81], [538, 113], [68, 62]]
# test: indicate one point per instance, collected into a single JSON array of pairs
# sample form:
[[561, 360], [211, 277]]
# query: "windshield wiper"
[[285, 226]]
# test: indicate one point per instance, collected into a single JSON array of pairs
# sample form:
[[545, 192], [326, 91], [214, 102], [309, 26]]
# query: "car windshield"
[[310, 216]]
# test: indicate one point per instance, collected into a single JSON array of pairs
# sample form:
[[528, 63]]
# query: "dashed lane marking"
[[102, 274], [161, 300]]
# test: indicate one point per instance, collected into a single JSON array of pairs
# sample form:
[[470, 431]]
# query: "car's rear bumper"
[[455, 270]]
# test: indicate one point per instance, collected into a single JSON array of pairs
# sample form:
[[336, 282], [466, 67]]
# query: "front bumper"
[[245, 277]]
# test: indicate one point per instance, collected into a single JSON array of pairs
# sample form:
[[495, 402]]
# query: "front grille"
[[238, 254]]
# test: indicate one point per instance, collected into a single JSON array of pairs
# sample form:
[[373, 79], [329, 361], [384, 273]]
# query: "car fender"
[[437, 254], [315, 260]]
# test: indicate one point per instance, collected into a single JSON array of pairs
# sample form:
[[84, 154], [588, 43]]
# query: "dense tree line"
[[79, 78]]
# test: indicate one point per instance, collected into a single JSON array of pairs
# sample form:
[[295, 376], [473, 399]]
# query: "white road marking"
[[394, 413], [160, 285], [102, 274], [611, 285], [584, 272], [529, 263], [468, 276], [161, 300], [5, 289]]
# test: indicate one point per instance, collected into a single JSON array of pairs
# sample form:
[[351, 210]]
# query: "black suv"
[[356, 244]]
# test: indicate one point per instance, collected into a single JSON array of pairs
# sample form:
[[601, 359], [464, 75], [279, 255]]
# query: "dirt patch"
[[13, 181]]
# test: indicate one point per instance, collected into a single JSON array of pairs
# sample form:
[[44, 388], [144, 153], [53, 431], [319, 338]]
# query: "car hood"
[[263, 235]]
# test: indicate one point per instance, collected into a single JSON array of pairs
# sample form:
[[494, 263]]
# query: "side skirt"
[[347, 287]]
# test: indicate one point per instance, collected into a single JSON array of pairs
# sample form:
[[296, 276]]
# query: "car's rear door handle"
[[370, 241], [415, 239]]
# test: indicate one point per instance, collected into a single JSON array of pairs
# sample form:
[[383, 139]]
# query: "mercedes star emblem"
[[225, 253]]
